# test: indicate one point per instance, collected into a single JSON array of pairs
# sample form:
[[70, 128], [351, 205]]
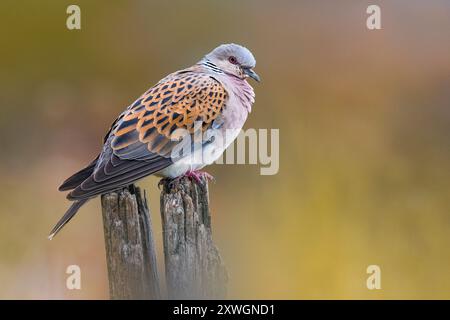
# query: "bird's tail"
[[66, 217]]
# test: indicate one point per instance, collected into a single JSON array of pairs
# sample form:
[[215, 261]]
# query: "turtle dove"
[[211, 95]]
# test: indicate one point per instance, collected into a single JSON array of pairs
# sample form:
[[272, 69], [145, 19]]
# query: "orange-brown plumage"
[[177, 101]]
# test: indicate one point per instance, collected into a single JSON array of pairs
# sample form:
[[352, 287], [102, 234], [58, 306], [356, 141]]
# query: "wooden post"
[[194, 268], [130, 249]]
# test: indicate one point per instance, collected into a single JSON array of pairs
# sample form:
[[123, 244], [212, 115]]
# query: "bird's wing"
[[140, 141], [175, 102]]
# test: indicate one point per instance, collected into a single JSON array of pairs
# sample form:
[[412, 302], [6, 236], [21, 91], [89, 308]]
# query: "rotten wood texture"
[[194, 268], [130, 249]]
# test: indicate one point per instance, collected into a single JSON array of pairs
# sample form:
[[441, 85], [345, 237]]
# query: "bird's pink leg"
[[198, 175], [195, 175]]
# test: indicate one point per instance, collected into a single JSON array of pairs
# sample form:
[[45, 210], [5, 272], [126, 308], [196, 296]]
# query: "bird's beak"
[[252, 74]]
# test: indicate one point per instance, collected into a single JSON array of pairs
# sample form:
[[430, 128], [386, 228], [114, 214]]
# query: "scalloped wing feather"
[[175, 102], [139, 142]]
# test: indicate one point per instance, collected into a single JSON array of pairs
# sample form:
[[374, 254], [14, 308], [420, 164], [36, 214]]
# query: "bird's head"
[[235, 60]]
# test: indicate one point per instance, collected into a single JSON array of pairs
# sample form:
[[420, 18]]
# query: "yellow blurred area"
[[364, 120]]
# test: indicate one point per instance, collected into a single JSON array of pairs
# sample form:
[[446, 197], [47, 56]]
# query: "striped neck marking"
[[210, 66]]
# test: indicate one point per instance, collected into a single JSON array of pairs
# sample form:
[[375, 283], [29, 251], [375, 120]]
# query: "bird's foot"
[[167, 181], [195, 175], [198, 175]]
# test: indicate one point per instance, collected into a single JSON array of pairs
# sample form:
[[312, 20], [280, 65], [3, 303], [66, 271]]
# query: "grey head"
[[233, 59]]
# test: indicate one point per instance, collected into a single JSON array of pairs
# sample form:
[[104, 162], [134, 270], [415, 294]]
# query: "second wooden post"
[[194, 268]]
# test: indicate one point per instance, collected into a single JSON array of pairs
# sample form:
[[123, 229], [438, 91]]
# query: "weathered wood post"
[[130, 249], [194, 268]]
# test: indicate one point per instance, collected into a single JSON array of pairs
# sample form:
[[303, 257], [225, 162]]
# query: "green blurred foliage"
[[364, 119]]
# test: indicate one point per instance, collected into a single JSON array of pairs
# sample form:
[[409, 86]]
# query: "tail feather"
[[77, 178], [66, 217]]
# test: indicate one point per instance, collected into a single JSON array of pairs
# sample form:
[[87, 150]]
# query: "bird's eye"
[[232, 60]]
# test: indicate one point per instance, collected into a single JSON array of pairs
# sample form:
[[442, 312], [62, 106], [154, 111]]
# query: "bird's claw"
[[197, 176], [168, 181]]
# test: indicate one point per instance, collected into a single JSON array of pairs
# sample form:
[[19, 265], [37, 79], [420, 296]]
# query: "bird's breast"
[[239, 104]]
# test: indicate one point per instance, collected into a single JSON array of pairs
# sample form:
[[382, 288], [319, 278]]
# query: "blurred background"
[[364, 119]]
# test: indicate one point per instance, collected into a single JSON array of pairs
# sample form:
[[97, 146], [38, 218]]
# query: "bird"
[[212, 95]]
